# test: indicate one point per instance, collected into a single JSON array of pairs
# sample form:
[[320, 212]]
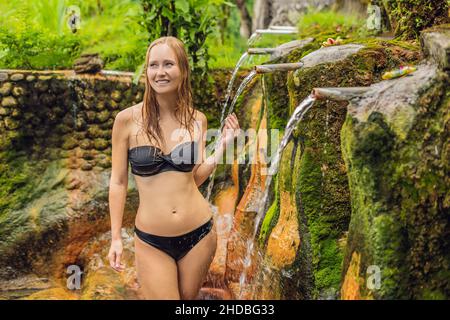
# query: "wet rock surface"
[[330, 54]]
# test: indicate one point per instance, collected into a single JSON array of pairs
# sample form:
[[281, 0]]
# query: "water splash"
[[296, 117]]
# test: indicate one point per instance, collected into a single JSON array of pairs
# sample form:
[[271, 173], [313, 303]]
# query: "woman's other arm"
[[118, 186]]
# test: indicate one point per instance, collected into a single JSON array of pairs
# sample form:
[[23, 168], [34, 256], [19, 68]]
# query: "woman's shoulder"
[[127, 114], [199, 116]]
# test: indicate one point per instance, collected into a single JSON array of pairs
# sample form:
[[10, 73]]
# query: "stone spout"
[[282, 28], [339, 94], [261, 50], [276, 31], [267, 68]]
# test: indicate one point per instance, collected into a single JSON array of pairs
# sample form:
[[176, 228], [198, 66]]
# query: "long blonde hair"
[[184, 111]]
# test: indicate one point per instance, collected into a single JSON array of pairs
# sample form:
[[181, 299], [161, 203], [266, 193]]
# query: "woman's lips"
[[162, 82]]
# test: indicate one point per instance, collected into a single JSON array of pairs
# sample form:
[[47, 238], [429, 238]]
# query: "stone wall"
[[63, 114]]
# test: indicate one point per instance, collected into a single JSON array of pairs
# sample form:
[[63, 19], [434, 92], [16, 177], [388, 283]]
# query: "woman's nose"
[[160, 70]]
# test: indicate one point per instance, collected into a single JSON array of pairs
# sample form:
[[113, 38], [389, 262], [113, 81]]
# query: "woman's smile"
[[162, 82]]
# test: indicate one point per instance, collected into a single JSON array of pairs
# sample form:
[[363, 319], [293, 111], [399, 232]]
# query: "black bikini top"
[[150, 160]]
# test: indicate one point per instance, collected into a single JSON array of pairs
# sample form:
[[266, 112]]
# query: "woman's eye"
[[169, 63]]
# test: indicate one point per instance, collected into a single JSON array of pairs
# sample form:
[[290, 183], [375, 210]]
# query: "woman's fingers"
[[114, 261], [231, 126], [111, 258], [233, 121], [117, 261]]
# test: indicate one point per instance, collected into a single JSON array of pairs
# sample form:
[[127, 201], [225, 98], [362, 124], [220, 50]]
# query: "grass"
[[324, 24]]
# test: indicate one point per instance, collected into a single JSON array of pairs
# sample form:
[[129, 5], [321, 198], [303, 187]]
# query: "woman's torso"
[[170, 203]]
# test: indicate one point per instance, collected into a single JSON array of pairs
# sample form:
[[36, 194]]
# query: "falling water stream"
[[294, 120], [241, 88], [231, 82]]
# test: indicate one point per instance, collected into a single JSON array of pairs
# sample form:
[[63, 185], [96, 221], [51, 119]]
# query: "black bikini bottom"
[[176, 247]]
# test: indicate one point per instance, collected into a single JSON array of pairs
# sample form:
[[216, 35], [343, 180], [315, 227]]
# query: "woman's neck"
[[167, 104]]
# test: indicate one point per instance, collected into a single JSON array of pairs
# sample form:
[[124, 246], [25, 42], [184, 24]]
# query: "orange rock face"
[[351, 286], [284, 239]]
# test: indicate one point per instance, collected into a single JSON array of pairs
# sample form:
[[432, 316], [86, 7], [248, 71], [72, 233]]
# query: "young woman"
[[164, 140]]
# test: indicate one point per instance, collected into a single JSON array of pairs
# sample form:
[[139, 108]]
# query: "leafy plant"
[[189, 20], [28, 45]]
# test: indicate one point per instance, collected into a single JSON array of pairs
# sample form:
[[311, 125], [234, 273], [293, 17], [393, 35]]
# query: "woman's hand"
[[230, 130], [115, 254]]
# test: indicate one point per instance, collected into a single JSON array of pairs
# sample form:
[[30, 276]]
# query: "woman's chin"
[[164, 90]]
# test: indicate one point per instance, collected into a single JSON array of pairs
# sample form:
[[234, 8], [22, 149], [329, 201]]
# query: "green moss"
[[409, 17], [322, 188], [17, 180], [433, 295], [278, 102], [328, 274], [398, 187], [271, 217], [326, 257], [366, 153], [389, 252]]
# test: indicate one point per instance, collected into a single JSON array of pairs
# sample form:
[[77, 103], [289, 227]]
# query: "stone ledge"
[[436, 45]]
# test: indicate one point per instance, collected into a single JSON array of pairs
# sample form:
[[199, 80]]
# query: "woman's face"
[[163, 71]]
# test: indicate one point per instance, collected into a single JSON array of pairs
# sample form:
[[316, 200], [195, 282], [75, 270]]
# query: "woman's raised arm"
[[230, 131]]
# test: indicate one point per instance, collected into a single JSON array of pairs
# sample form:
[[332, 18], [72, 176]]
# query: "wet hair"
[[184, 111]]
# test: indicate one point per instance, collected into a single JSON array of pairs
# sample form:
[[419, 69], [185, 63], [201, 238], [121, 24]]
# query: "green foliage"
[[225, 55], [35, 34], [191, 21], [26, 44], [115, 30], [32, 49]]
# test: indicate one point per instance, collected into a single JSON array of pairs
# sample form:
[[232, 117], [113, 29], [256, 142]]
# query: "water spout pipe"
[[282, 28], [261, 50], [267, 68], [257, 34], [339, 94], [276, 31]]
